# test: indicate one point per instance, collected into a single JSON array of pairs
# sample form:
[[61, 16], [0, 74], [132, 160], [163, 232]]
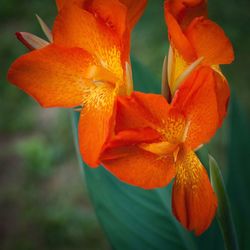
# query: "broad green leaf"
[[133, 218]]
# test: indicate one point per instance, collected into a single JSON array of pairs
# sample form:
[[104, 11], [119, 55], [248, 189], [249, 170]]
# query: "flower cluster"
[[145, 140]]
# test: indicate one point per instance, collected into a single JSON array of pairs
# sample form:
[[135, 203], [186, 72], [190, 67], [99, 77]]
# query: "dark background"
[[43, 200]]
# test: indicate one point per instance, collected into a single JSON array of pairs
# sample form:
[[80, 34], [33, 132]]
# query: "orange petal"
[[96, 123], [141, 110], [54, 76], [134, 136], [186, 10], [173, 127], [76, 27], [59, 4], [178, 40], [222, 94], [193, 200], [117, 147], [135, 10], [210, 41], [196, 97], [113, 14], [141, 168]]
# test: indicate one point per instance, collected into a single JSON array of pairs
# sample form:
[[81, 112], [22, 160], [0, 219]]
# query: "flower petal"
[[186, 10], [112, 12], [54, 76], [135, 10], [178, 39], [141, 110], [140, 168], [133, 136], [193, 200], [96, 123], [222, 94], [76, 27], [210, 41], [59, 4], [196, 98]]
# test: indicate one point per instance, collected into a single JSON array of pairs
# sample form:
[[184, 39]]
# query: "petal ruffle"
[[133, 136], [113, 13], [96, 123], [210, 42], [196, 98], [141, 110], [140, 168], [193, 200], [178, 39], [76, 27], [54, 76], [135, 10], [222, 94], [186, 10], [59, 4]]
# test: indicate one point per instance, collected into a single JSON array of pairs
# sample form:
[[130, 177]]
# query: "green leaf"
[[134, 218], [224, 214]]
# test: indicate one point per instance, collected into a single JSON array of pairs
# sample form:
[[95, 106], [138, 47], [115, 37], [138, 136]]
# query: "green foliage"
[[42, 202]]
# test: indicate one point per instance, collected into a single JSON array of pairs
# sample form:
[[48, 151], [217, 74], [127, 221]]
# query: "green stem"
[[224, 214]]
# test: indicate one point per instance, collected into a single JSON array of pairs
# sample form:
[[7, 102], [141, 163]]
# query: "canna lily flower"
[[86, 64], [196, 40], [154, 142]]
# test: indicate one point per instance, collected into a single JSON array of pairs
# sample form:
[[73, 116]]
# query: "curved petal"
[[196, 98], [135, 10], [186, 10], [210, 41], [59, 4], [133, 136], [193, 200], [140, 168], [96, 123], [141, 110], [178, 39], [222, 94], [76, 27], [113, 13], [54, 76]]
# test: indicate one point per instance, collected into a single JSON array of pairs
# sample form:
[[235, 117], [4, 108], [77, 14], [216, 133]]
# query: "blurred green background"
[[43, 201]]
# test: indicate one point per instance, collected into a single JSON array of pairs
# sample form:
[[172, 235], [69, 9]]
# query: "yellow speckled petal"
[[96, 122], [173, 127], [193, 199], [76, 27]]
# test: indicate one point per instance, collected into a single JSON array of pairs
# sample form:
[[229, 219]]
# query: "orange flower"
[[154, 142], [195, 38], [85, 65]]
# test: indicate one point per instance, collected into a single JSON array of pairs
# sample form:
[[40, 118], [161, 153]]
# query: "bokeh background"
[[44, 202]]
